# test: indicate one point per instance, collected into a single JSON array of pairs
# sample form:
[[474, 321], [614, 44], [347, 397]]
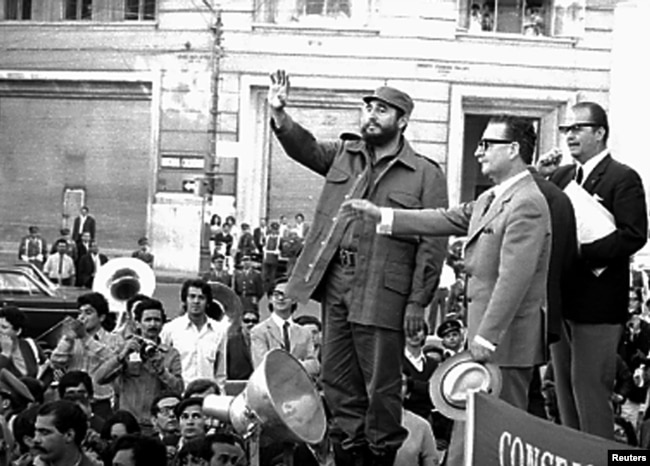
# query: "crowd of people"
[[74, 258], [519, 281], [131, 395], [249, 260]]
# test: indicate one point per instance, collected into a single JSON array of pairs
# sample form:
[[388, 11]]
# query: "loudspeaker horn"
[[280, 399]]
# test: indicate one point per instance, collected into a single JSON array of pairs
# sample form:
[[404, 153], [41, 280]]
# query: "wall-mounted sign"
[[183, 162], [170, 162], [193, 162]]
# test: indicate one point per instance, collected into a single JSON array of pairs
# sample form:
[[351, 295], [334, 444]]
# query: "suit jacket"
[[249, 283], [259, 237], [239, 362], [506, 258], [564, 252], [86, 269], [82, 250], [31, 359], [266, 336], [604, 298], [89, 226]]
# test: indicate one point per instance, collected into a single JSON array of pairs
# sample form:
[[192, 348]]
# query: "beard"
[[379, 138]]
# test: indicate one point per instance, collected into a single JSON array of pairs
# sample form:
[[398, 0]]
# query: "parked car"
[[45, 303]]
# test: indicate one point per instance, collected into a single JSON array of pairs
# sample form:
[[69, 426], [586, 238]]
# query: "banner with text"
[[498, 434]]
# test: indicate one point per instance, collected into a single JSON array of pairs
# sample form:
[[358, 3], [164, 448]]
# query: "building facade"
[[108, 103]]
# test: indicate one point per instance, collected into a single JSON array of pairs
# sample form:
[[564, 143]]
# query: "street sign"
[[189, 185]]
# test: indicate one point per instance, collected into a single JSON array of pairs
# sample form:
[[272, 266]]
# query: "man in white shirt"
[[60, 267], [200, 340]]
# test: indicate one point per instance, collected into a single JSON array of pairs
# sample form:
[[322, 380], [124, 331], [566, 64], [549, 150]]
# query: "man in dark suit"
[[507, 254], [84, 222], [89, 264], [585, 359], [83, 247], [259, 237]]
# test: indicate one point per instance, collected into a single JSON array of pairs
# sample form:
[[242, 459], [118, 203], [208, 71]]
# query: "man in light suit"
[[84, 222], [585, 358], [270, 333], [507, 255]]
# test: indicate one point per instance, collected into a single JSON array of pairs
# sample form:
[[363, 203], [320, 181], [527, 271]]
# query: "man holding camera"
[[144, 368]]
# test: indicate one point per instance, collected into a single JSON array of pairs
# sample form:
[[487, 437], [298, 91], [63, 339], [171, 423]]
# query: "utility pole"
[[210, 181]]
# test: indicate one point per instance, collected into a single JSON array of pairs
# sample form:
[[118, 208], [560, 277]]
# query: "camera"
[[149, 350]]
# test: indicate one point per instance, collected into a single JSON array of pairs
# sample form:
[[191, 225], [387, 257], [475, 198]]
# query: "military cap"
[[449, 325], [393, 97]]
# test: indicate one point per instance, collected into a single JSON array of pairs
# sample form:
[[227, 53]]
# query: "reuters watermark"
[[627, 457]]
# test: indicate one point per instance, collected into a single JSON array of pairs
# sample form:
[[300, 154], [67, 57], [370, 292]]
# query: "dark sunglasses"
[[225, 459], [576, 127], [484, 144], [250, 321]]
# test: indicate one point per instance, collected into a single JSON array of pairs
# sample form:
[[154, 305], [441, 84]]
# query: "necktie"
[[285, 336], [488, 202], [579, 175], [60, 264]]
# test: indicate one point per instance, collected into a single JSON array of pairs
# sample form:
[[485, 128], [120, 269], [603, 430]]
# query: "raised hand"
[[278, 90], [549, 162]]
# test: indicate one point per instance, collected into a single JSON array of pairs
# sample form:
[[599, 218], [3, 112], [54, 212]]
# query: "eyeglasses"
[[250, 321], [225, 459], [278, 294], [484, 144], [166, 410], [575, 127], [193, 416]]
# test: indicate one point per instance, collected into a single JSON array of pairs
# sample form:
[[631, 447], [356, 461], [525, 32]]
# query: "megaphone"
[[280, 399]]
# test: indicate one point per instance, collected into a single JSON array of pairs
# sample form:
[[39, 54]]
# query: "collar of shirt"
[[590, 164], [417, 361], [209, 323], [501, 188], [279, 321]]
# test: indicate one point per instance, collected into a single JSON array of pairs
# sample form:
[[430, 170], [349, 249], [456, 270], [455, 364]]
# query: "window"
[[562, 18], [312, 12], [18, 9], [18, 284], [79, 9], [140, 10], [102, 11]]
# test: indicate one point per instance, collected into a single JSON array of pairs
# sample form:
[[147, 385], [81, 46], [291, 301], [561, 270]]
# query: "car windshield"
[[40, 277], [15, 284]]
